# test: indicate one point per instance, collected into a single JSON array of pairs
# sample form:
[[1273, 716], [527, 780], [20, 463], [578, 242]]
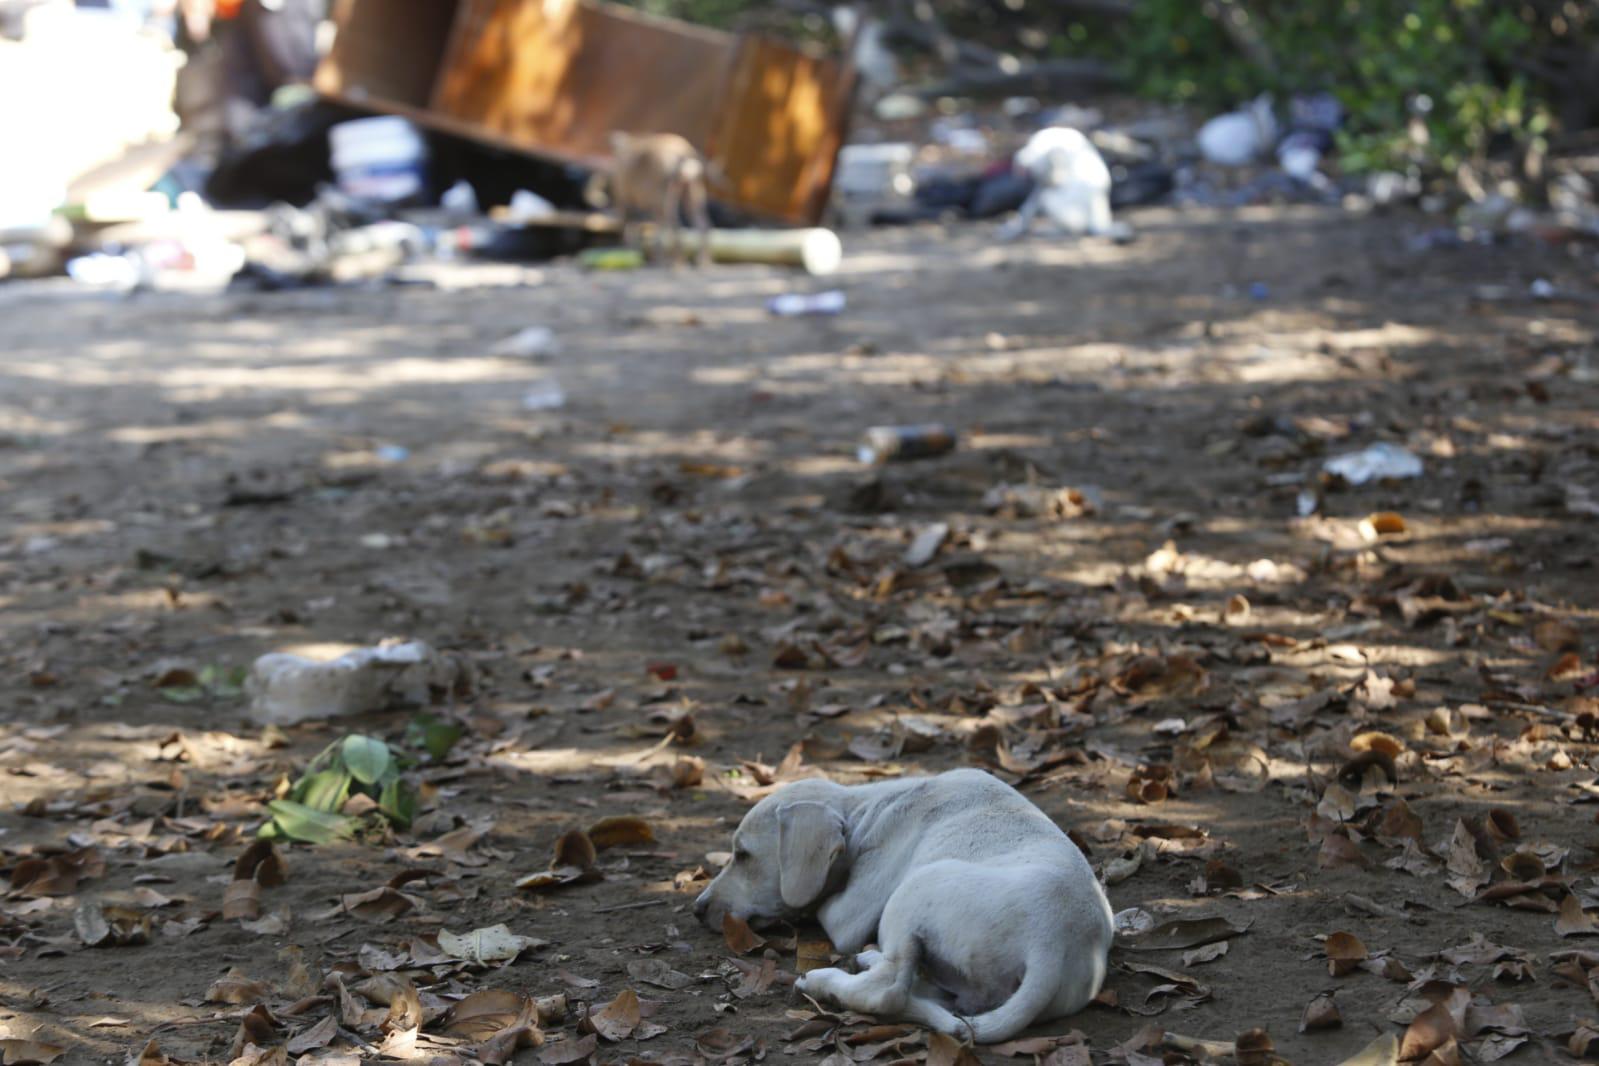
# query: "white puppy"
[[1071, 185], [988, 917]]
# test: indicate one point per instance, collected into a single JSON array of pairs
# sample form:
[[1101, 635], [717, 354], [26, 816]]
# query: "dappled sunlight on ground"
[[681, 575]]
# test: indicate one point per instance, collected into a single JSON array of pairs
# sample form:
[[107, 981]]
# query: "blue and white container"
[[382, 158]]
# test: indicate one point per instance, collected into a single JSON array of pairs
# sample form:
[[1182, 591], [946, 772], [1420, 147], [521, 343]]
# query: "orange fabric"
[[227, 9]]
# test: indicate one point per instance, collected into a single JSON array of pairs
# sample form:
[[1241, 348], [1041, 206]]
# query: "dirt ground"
[[687, 562]]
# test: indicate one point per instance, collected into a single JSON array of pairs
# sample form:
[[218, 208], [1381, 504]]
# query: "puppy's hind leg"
[[1019, 225], [672, 220], [882, 988], [700, 214]]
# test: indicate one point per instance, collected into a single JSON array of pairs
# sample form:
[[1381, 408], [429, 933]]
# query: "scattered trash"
[[903, 443], [612, 259], [545, 395], [1542, 289], [1299, 155], [870, 177], [815, 249], [392, 453], [1380, 462], [1259, 290], [527, 206], [534, 342], [795, 304], [1388, 187], [286, 688], [382, 158], [460, 199], [1239, 137]]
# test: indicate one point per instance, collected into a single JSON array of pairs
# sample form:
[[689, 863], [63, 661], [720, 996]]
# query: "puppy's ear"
[[810, 845]]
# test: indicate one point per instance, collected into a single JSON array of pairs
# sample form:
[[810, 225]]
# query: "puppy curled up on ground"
[[986, 916]]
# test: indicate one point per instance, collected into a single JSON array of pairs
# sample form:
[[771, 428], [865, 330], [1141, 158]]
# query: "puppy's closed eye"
[[741, 855]]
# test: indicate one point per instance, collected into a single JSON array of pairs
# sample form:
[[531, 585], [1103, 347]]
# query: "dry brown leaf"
[[1237, 610], [1038, 1045], [1573, 920], [19, 1052], [257, 1028], [1566, 668], [1183, 933], [1208, 953], [741, 939], [1153, 677], [1382, 1051], [494, 943], [568, 1051], [275, 924], [1069, 1055], [1554, 635], [236, 988], [252, 1055], [619, 831], [812, 955], [658, 973], [455, 846], [1345, 953], [488, 1012], [945, 1050], [720, 1044], [1320, 1013], [687, 772], [1338, 850], [56, 876], [1389, 745], [1381, 524], [1437, 1026], [1413, 860], [1398, 823], [1151, 784], [152, 1055], [1467, 871], [1253, 1048], [241, 900], [319, 1035], [575, 849], [382, 904], [618, 1018], [263, 863]]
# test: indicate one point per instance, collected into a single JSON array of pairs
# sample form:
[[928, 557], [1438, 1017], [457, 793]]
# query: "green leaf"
[[398, 803], [365, 757], [325, 790], [433, 735], [299, 822], [182, 693]]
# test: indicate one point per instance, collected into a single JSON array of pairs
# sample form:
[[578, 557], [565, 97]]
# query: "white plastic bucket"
[[380, 158]]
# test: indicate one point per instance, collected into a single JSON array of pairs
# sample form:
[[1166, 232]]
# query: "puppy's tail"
[[1040, 984]]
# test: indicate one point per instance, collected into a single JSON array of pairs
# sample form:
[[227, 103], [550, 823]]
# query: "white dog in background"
[[988, 918], [1071, 186]]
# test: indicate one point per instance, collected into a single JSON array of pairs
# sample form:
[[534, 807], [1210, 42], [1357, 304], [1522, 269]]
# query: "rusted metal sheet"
[[556, 77]]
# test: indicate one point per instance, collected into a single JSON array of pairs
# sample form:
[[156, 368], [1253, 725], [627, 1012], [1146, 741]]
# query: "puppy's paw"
[[821, 984]]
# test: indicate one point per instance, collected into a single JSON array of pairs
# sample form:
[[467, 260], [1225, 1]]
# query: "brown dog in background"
[[652, 177]]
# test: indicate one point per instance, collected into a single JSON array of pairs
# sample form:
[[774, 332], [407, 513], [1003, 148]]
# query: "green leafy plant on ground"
[[313, 810], [210, 682]]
